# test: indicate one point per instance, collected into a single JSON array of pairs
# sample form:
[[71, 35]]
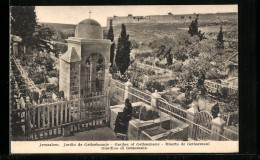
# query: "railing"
[[135, 94], [230, 118], [119, 90], [214, 86], [198, 132], [139, 96], [170, 108], [50, 120], [230, 134]]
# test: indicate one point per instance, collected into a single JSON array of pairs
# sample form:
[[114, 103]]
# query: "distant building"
[[84, 68]]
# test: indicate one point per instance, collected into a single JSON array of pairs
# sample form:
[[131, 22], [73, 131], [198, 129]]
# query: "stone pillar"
[[154, 99], [217, 127], [15, 49], [145, 79], [128, 87], [106, 79], [191, 116]]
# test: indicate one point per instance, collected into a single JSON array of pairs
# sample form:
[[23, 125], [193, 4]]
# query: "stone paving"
[[98, 134]]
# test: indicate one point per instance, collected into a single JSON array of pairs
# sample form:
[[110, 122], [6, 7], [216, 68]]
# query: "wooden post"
[[218, 127], [128, 86], [191, 116]]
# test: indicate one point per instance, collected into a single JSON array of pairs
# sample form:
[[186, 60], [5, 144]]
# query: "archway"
[[92, 74]]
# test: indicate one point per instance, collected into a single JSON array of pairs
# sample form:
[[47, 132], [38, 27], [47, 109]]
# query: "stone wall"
[[74, 78], [64, 79], [203, 18]]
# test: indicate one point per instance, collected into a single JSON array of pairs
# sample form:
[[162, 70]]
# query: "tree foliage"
[[220, 35], [168, 56], [110, 36], [123, 51], [220, 42], [154, 85], [194, 30], [112, 53], [23, 22], [24, 25]]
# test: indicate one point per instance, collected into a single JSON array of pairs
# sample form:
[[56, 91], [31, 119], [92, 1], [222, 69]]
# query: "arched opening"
[[92, 74]]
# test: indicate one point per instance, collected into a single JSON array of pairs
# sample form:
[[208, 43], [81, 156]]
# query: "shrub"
[[146, 114], [38, 78], [223, 93], [171, 83], [151, 72], [154, 85], [53, 73], [52, 88]]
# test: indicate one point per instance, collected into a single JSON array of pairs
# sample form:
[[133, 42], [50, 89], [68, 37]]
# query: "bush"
[[52, 88], [146, 114], [151, 72], [171, 83], [223, 93], [49, 64], [143, 55], [53, 73], [154, 85], [38, 78]]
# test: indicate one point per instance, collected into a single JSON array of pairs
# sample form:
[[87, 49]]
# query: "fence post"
[[218, 127], [28, 118], [154, 99], [107, 102], [191, 116], [15, 49], [128, 86]]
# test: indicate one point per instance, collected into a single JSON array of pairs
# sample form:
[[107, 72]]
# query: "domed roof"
[[89, 29]]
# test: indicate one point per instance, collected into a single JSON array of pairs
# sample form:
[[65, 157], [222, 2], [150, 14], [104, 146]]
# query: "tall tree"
[[123, 51], [23, 22], [24, 25], [110, 35], [169, 56], [220, 43], [194, 30]]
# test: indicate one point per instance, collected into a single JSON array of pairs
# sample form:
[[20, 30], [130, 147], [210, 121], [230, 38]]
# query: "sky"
[[75, 14]]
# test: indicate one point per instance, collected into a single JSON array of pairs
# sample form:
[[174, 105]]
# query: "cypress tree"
[[220, 43], [123, 51], [110, 36], [169, 56], [23, 22], [194, 30]]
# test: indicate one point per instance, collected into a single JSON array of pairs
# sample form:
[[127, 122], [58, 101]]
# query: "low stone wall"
[[176, 129], [119, 108]]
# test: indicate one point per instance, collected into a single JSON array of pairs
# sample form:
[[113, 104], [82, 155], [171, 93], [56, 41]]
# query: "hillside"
[[144, 33], [64, 28], [206, 19]]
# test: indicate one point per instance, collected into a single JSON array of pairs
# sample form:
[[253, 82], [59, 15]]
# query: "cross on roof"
[[89, 13]]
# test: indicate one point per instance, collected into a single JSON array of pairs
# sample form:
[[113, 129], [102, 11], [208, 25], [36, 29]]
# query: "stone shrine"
[[84, 68]]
